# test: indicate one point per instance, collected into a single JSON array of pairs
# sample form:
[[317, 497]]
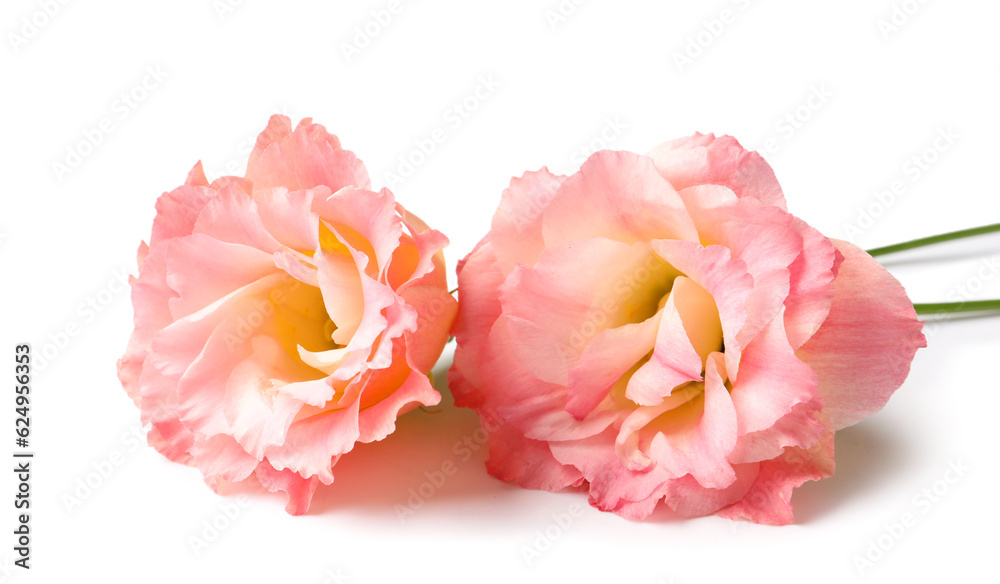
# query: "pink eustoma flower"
[[660, 328], [283, 316]]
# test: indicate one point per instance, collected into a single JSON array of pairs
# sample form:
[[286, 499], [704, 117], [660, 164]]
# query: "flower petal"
[[517, 223], [619, 196], [675, 359], [772, 380], [525, 462], [689, 441], [725, 278], [605, 360], [303, 159], [769, 499], [299, 490], [863, 351], [704, 159]]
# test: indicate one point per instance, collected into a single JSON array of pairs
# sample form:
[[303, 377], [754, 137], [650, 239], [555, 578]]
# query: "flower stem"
[[953, 307], [934, 239]]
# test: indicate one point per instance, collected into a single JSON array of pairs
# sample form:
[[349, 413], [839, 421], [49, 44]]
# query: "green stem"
[[954, 307], [934, 239]]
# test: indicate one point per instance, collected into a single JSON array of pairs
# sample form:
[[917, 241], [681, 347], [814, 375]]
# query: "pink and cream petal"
[[304, 159], [298, 489], [177, 212], [379, 420], [676, 360], [812, 288], [725, 279], [769, 500], [773, 380], [370, 220], [611, 354], [220, 458], [202, 270], [517, 223], [619, 196], [697, 437], [690, 499], [232, 217], [705, 159], [436, 310], [478, 308], [863, 350], [258, 414], [527, 463], [313, 442], [196, 177], [289, 216]]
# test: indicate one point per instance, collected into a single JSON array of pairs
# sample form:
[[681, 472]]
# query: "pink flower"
[[660, 328], [283, 316]]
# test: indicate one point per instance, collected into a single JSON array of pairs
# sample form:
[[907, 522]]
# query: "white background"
[[889, 91]]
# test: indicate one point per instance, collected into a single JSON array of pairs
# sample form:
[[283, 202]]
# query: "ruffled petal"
[[607, 358], [704, 159], [688, 498], [675, 359], [525, 462], [478, 308], [372, 225], [863, 350], [221, 458], [436, 310], [303, 159], [725, 278], [177, 211], [769, 500], [697, 437], [202, 269], [772, 380], [517, 224], [299, 490], [619, 196], [289, 217], [232, 217], [574, 291]]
